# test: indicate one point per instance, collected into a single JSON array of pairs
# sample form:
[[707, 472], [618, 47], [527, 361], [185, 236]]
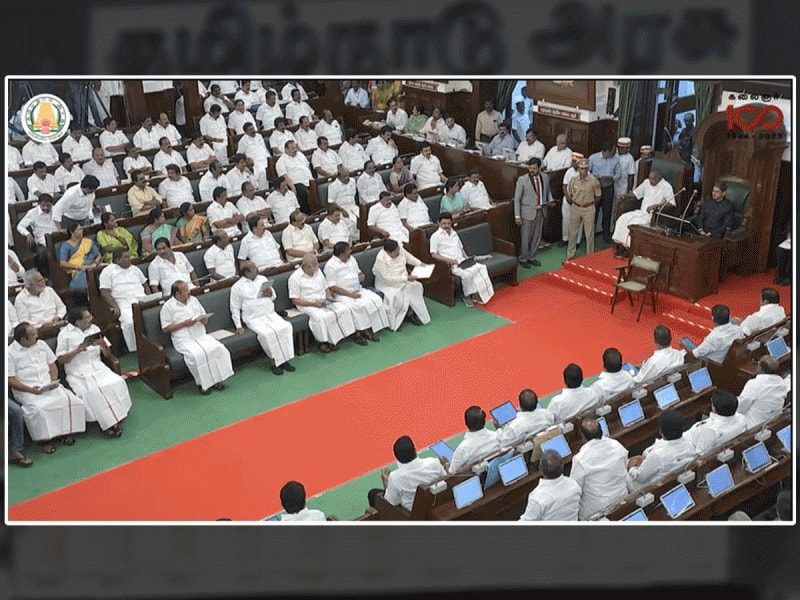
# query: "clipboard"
[[422, 271], [467, 262]]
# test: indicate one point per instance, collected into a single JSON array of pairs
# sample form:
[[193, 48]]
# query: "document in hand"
[[203, 316], [422, 271], [467, 262], [267, 285], [91, 338]]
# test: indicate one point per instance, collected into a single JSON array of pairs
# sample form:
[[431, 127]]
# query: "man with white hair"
[[402, 292], [655, 193]]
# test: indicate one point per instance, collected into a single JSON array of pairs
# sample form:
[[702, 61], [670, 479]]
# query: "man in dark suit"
[[532, 200]]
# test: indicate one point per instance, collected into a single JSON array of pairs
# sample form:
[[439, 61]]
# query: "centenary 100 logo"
[[767, 116], [45, 118]]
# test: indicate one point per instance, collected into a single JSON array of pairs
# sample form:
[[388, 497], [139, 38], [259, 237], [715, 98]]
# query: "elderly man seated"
[[402, 292], [655, 194], [121, 284], [39, 304]]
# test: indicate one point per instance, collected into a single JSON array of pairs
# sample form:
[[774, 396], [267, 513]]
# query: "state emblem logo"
[[45, 118]]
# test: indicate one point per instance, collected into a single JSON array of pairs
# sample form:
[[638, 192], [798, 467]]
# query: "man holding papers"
[[402, 292], [184, 318]]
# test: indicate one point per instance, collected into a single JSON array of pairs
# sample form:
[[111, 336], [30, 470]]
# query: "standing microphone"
[[660, 210], [685, 210]]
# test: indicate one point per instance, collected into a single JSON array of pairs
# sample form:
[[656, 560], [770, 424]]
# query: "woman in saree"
[[157, 227], [192, 228], [76, 256], [112, 237], [417, 119], [399, 176]]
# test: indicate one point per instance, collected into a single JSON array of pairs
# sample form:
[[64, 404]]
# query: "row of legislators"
[[183, 225]]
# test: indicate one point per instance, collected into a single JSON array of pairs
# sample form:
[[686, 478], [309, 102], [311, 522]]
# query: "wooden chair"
[[637, 277]]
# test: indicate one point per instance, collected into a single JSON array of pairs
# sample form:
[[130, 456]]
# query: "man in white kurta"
[[413, 211], [345, 280], [211, 180], [223, 215], [297, 108], [268, 112], [295, 168], [762, 397], [122, 284], [280, 136], [240, 173], [305, 137], [655, 193], [252, 205], [104, 392], [164, 128], [44, 151], [369, 184], [342, 191], [252, 305], [282, 201], [381, 148], [352, 153], [474, 192], [426, 168], [330, 322], [259, 246], [298, 238], [208, 360], [77, 146], [325, 160], [168, 267], [146, 138], [37, 303], [334, 228], [574, 398], [215, 131], [328, 127], [556, 497], [167, 155], [396, 117], [412, 471], [478, 441], [103, 168], [531, 419], [559, 156], [445, 245], [769, 313], [600, 467], [49, 413], [41, 182], [613, 379], [199, 154], [252, 145], [402, 292], [716, 344], [239, 116], [722, 425], [664, 359], [383, 219], [219, 257], [77, 203], [176, 188]]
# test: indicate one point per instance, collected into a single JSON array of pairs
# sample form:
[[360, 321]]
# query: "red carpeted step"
[[582, 282], [701, 324]]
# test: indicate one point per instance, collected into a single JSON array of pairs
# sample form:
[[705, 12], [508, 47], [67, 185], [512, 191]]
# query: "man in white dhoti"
[[445, 245], [402, 292], [345, 279], [655, 194], [120, 286], [330, 322], [185, 319], [104, 392], [252, 304], [50, 410]]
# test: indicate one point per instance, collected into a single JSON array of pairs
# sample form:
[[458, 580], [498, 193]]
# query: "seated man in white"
[[413, 211], [334, 228], [574, 398], [280, 136], [382, 148], [260, 246], [664, 359], [667, 454], [219, 258], [134, 161], [104, 392], [345, 280], [613, 379], [102, 168], [330, 322], [167, 155], [176, 188], [41, 182], [238, 117], [212, 179], [478, 442], [369, 184], [600, 467], [298, 238], [400, 485], [556, 497], [223, 215], [305, 136], [769, 313], [717, 343], [121, 284], [241, 171], [253, 146], [199, 154], [352, 153], [37, 303], [329, 128], [293, 500], [445, 245], [325, 160], [215, 131], [396, 117], [342, 191], [297, 108], [383, 219], [252, 303], [184, 318], [762, 397], [655, 193], [531, 419], [50, 410], [295, 168], [252, 205], [452, 133], [474, 191], [164, 128], [282, 200], [426, 168], [402, 293], [722, 425], [169, 266], [269, 111]]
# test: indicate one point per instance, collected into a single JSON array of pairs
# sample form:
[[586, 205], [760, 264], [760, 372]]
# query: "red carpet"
[[336, 436]]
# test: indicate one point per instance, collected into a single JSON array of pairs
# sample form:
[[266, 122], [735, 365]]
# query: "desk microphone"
[[660, 210], [685, 210]]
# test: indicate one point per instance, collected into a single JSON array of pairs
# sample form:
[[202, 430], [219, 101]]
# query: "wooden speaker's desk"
[[689, 266]]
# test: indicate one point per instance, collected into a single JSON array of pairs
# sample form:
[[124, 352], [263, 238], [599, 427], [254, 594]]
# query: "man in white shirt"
[[298, 238], [286, 90], [248, 96], [15, 161], [600, 467], [297, 108], [402, 292], [295, 168], [44, 151], [167, 156], [103, 169], [664, 359], [356, 96], [769, 313], [556, 497], [280, 135], [381, 148], [520, 120], [413, 211], [269, 111], [655, 193], [146, 138], [251, 205], [168, 267], [763, 396], [369, 184], [238, 117], [530, 147], [282, 200], [184, 318], [627, 165], [175, 188], [667, 454], [559, 156], [164, 128], [77, 203], [42, 182], [199, 154], [35, 225], [396, 117], [401, 484], [719, 340], [218, 98], [446, 246], [68, 173], [293, 500], [241, 172], [305, 136], [613, 379], [478, 442], [212, 179], [77, 145], [215, 131], [574, 398], [252, 145], [722, 425], [329, 128], [426, 168], [531, 419], [352, 153], [222, 215], [452, 133], [134, 161], [259, 246], [112, 140], [333, 228], [37, 303], [330, 322], [219, 258], [474, 191], [325, 160], [122, 284], [342, 191], [14, 271], [383, 219]]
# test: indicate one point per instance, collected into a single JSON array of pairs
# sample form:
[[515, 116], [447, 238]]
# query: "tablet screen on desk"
[[699, 380], [666, 396], [442, 449], [503, 413], [677, 501], [785, 436], [630, 413], [637, 515], [630, 368], [719, 480], [513, 470], [467, 492], [756, 457], [603, 425], [493, 470], [777, 348], [559, 444]]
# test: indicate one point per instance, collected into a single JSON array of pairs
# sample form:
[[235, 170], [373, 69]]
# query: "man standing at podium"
[[655, 194]]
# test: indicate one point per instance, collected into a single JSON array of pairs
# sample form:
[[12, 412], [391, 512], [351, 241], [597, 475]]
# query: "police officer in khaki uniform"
[[584, 194]]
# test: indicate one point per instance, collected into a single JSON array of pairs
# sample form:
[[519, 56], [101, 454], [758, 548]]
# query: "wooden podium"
[[689, 266]]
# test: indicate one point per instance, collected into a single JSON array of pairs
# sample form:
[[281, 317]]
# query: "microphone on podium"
[[660, 210], [685, 210]]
